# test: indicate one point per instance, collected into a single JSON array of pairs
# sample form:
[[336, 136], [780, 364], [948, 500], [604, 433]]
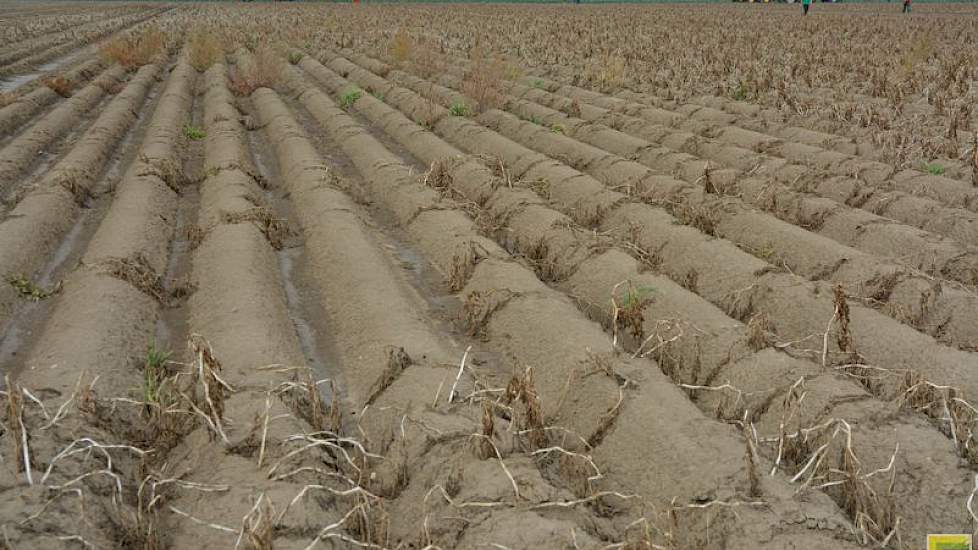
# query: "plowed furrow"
[[905, 295], [14, 115], [636, 405], [739, 283], [398, 366], [695, 343], [240, 308], [522, 299], [102, 319], [15, 52], [19, 154], [763, 119], [773, 183], [747, 115], [34, 228], [23, 25], [71, 25], [709, 123], [23, 64], [785, 190]]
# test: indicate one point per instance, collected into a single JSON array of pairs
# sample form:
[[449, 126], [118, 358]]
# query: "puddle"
[[172, 324], [28, 318], [10, 83], [301, 302], [54, 152]]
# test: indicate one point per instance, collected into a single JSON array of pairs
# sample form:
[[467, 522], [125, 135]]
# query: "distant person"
[[804, 6], [906, 6]]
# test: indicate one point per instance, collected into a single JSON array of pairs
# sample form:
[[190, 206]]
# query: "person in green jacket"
[[804, 6]]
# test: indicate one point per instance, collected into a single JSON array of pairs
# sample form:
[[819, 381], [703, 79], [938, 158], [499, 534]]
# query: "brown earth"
[[264, 286]]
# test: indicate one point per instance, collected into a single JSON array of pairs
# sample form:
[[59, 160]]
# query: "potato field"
[[419, 276]]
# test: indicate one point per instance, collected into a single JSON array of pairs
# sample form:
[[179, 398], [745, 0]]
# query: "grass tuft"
[[154, 373], [28, 290], [627, 308], [194, 133], [459, 108], [347, 99]]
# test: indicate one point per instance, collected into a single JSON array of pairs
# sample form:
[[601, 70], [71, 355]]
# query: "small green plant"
[[538, 84], [536, 120], [295, 57], [27, 289], [934, 169], [194, 133], [154, 372], [379, 96], [459, 109], [740, 94], [349, 98], [628, 312], [557, 128], [636, 296]]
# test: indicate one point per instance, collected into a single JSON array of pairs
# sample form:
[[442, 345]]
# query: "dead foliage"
[[439, 175], [954, 416], [261, 70], [73, 181], [136, 49], [167, 170], [606, 73], [710, 185], [194, 235], [690, 280], [18, 430], [759, 331], [704, 216], [522, 390], [483, 80], [59, 85], [484, 446], [276, 230], [211, 389], [843, 336], [538, 255], [258, 526], [424, 60], [397, 361], [463, 264], [628, 301], [312, 409], [401, 47], [478, 308], [334, 415], [7, 98], [205, 47], [750, 456], [574, 109], [137, 271], [823, 457], [974, 160]]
